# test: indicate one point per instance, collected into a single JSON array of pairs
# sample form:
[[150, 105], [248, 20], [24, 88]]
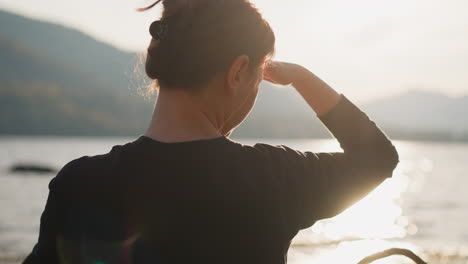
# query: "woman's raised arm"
[[320, 185]]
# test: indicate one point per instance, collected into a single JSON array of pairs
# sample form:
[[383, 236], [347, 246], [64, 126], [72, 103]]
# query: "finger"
[[271, 65]]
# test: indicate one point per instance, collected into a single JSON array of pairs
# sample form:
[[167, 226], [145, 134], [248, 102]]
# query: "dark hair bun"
[[203, 37]]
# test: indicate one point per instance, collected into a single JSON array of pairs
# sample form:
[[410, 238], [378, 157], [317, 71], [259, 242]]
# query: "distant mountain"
[[422, 115], [415, 115], [422, 110], [58, 81], [66, 48]]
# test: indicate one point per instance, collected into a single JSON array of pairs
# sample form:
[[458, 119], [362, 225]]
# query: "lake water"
[[424, 207]]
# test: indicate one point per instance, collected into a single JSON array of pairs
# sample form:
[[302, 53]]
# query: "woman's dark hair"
[[203, 38]]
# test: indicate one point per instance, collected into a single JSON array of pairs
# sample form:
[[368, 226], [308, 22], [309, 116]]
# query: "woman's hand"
[[319, 95], [282, 73]]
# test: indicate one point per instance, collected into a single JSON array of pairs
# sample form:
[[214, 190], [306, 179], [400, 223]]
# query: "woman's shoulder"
[[85, 168]]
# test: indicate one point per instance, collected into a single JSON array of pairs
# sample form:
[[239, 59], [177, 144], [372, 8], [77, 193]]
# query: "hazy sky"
[[363, 48]]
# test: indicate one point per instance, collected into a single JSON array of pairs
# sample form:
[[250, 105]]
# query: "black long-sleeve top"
[[207, 201]]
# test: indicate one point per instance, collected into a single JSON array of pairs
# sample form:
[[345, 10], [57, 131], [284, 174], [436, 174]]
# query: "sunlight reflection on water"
[[366, 227]]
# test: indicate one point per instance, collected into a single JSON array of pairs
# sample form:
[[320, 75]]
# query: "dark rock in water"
[[32, 168]]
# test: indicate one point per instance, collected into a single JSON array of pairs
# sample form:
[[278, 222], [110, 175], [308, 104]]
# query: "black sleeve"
[[46, 248], [314, 186]]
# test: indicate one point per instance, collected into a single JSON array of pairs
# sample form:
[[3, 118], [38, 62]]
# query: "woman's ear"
[[238, 73]]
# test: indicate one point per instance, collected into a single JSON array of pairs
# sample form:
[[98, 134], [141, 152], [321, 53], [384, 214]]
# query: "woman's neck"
[[179, 116]]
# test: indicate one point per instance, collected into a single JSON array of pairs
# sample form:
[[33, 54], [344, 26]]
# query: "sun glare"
[[368, 226]]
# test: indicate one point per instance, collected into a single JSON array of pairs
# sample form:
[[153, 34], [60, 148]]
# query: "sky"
[[365, 49]]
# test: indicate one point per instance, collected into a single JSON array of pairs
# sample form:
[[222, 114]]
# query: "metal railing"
[[392, 252]]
